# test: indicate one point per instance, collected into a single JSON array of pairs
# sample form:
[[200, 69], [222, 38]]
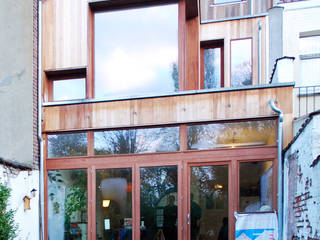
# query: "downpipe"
[[41, 174], [280, 169]]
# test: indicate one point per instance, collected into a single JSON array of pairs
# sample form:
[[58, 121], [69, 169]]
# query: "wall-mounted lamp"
[[105, 203], [33, 192]]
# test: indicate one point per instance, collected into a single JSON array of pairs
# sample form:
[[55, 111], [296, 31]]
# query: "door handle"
[[188, 219]]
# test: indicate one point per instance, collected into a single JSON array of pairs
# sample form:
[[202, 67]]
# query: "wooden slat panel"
[[251, 103], [64, 33]]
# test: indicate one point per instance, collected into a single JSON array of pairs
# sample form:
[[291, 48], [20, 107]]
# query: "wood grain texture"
[[238, 29], [210, 12], [252, 103]]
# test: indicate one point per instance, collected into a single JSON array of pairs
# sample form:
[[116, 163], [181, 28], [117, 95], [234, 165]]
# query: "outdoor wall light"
[[105, 203], [33, 192]]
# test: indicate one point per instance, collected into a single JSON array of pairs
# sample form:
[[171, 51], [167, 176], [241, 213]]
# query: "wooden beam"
[[192, 9]]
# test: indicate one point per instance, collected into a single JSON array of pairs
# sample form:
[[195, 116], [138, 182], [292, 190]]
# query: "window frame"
[[227, 2], [230, 57], [211, 45], [104, 6], [65, 74]]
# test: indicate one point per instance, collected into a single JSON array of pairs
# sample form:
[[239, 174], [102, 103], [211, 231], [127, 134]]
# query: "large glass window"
[[136, 51], [146, 140], [209, 202], [256, 191], [67, 204], [114, 204], [67, 145], [231, 135], [241, 62], [158, 203]]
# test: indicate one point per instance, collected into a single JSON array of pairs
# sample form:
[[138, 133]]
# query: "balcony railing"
[[306, 100]]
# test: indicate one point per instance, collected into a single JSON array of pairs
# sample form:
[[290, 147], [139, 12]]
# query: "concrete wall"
[[16, 81], [298, 17], [302, 184], [21, 183]]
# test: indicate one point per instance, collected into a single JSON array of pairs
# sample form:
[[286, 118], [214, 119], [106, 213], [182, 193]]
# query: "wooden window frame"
[[183, 159], [211, 45], [103, 6], [65, 74], [230, 55]]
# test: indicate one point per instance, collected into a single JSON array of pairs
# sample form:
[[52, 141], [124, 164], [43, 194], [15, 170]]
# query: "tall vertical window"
[[212, 64], [241, 62], [309, 60], [136, 51]]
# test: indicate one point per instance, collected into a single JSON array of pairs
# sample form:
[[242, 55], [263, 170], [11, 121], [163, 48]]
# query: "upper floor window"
[[212, 64], [136, 51], [309, 59], [241, 62]]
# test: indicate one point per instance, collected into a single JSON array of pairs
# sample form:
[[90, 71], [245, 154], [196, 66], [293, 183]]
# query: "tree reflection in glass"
[[209, 202], [64, 145], [137, 141], [237, 134], [67, 204], [158, 202], [241, 62]]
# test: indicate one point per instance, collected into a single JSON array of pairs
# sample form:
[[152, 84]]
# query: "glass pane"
[[231, 135], [146, 140], [69, 89], [114, 204], [241, 63], [209, 202], [225, 1], [158, 203], [212, 68], [310, 72], [309, 45], [256, 186], [66, 145], [67, 204], [136, 51]]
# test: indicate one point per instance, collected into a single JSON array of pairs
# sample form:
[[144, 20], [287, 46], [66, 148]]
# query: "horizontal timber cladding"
[[224, 105]]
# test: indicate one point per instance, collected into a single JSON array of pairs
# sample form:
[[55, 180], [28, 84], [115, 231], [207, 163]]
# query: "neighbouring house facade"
[[19, 149], [156, 117]]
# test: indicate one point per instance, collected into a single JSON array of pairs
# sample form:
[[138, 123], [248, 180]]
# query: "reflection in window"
[[209, 202], [146, 140], [114, 203], [158, 203], [69, 89], [256, 186], [67, 204], [231, 135], [212, 67], [65, 145], [241, 62], [136, 51]]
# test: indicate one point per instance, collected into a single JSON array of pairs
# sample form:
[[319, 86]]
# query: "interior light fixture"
[[105, 203]]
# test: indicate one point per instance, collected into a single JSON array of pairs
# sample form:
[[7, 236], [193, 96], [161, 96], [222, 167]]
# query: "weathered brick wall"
[[302, 184]]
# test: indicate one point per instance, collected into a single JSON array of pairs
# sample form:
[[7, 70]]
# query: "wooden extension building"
[[156, 117]]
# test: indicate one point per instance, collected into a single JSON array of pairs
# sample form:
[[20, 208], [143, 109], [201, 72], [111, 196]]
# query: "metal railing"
[[306, 100]]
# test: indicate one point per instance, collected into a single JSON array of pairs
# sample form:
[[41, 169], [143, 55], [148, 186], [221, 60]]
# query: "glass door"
[[208, 202], [159, 203], [114, 204]]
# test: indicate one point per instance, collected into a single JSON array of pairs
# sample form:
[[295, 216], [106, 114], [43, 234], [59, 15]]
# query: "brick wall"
[[302, 183]]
